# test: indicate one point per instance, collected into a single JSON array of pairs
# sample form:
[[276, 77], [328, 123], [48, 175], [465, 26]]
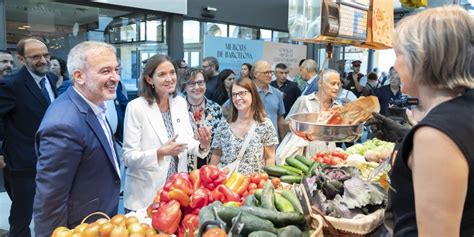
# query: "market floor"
[[5, 211]]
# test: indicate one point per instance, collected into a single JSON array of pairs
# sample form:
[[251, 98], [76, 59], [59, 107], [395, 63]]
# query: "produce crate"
[[343, 227]]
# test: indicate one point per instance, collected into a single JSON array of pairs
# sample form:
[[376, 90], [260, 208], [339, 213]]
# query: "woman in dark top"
[[433, 173], [224, 82]]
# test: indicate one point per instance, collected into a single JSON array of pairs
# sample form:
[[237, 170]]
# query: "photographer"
[[389, 92]]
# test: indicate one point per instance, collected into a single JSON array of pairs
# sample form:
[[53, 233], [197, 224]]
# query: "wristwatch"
[[203, 150]]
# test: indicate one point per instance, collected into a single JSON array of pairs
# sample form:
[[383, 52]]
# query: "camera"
[[397, 108]]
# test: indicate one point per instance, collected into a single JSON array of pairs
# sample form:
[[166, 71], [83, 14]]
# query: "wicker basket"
[[95, 214], [341, 227]]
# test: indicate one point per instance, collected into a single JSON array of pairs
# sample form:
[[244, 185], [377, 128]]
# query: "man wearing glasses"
[[24, 97], [271, 97]]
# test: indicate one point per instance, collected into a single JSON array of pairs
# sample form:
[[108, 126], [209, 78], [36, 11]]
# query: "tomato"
[[332, 162], [276, 182], [264, 176], [337, 160], [320, 154], [326, 160], [320, 160], [338, 154], [252, 186], [261, 183]]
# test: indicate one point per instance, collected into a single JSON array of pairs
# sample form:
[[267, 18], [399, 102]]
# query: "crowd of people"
[[63, 124]]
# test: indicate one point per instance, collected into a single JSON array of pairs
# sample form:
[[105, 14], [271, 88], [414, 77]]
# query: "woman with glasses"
[[249, 137], [158, 135], [202, 111], [224, 82]]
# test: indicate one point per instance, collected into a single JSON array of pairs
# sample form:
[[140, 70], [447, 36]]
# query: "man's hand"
[[386, 129], [2, 162]]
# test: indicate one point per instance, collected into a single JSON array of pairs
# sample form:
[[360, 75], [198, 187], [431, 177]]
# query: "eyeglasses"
[[267, 72], [196, 83], [38, 57], [240, 94]]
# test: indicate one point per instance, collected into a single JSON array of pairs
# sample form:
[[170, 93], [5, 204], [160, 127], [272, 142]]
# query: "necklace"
[[197, 110]]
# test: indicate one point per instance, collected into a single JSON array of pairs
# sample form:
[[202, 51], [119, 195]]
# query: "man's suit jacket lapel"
[[30, 83], [94, 124]]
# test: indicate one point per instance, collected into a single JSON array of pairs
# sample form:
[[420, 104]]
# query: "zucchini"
[[258, 194], [282, 204], [293, 199], [250, 201], [207, 212], [276, 171], [268, 196], [261, 233], [280, 219], [292, 169], [290, 231], [291, 179], [250, 221], [297, 164], [304, 160], [313, 168]]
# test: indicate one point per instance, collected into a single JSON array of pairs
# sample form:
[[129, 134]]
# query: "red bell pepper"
[[195, 179], [199, 198], [164, 196], [168, 217], [189, 226], [211, 176], [183, 185], [183, 175], [224, 194], [180, 196]]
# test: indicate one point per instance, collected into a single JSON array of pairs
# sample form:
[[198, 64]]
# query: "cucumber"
[[207, 214], [291, 179], [280, 219], [262, 234], [297, 164], [290, 231], [251, 222], [250, 201], [292, 169], [268, 196], [313, 168], [276, 171], [258, 194], [293, 199], [304, 160], [282, 204]]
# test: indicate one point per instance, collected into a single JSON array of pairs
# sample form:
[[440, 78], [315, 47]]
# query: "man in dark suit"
[[78, 168], [309, 73], [24, 97]]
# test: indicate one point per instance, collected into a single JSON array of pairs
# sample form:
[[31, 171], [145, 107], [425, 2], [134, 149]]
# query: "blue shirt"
[[384, 94], [273, 102]]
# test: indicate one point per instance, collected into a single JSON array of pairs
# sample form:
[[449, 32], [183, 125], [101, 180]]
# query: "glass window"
[[191, 32], [281, 37], [242, 32], [215, 29], [266, 35]]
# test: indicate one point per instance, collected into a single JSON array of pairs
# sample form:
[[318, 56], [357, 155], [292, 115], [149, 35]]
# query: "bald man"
[[24, 97], [271, 97]]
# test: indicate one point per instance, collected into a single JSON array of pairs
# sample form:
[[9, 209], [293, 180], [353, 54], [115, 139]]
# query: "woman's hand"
[[204, 136], [171, 148]]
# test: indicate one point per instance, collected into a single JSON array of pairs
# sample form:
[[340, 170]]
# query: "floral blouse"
[[252, 161], [212, 118]]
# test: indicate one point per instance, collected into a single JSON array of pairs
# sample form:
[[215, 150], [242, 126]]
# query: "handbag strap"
[[246, 141]]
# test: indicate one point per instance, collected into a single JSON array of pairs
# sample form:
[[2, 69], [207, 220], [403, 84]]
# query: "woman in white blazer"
[[157, 134]]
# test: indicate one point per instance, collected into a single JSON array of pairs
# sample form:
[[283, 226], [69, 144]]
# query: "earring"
[[153, 86]]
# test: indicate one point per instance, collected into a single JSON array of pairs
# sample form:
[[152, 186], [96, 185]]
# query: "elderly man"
[[290, 89], [309, 73], [24, 97], [271, 97], [78, 170], [210, 65]]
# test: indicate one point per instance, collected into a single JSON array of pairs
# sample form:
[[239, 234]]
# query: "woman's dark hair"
[[249, 66], [220, 95], [257, 105], [146, 90], [62, 64]]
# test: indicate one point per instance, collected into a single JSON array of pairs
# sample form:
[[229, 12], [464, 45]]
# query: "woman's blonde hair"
[[437, 44]]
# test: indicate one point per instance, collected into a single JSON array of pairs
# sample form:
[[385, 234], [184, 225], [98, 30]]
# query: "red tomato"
[[320, 154], [320, 160], [261, 183], [326, 160], [338, 154], [264, 176], [332, 162], [337, 160], [276, 182]]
